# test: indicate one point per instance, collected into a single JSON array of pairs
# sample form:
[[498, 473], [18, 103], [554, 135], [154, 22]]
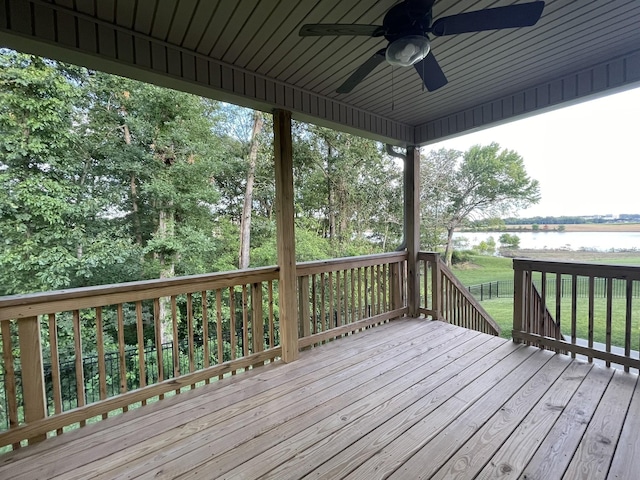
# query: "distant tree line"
[[572, 220]]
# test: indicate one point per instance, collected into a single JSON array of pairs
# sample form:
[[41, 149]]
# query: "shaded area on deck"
[[408, 399]]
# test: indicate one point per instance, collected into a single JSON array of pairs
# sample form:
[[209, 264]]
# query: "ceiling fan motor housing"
[[401, 20]]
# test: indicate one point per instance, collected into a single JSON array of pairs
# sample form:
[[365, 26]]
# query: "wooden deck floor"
[[410, 399]]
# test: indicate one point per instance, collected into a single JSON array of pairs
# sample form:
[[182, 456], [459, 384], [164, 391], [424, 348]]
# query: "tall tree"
[[54, 201], [247, 207], [162, 150], [486, 182]]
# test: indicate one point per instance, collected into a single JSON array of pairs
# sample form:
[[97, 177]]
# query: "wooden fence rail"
[[590, 326]]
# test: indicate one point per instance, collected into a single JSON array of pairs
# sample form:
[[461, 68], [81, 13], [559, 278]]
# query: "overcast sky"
[[586, 157]]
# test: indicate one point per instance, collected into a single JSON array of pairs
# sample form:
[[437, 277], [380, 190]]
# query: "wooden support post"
[[35, 404], [412, 234], [286, 235]]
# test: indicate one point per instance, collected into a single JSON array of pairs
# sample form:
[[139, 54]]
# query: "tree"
[[509, 241], [55, 200], [245, 222], [485, 182]]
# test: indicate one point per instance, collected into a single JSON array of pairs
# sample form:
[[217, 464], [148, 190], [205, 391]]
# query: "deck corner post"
[[412, 222], [35, 404], [285, 225]]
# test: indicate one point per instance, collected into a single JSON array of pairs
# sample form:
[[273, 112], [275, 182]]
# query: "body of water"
[[597, 241]]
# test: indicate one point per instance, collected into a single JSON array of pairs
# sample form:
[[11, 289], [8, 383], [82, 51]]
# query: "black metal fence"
[[68, 385], [504, 288]]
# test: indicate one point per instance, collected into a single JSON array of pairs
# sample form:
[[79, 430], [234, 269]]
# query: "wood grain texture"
[[286, 234], [407, 399]]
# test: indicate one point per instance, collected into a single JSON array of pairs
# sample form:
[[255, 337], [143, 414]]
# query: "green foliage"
[[486, 247], [484, 182], [509, 241]]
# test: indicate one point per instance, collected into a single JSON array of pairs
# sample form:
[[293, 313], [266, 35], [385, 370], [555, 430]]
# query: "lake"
[[600, 241]]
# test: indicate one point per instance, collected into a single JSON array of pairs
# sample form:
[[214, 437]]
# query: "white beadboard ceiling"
[[249, 52]]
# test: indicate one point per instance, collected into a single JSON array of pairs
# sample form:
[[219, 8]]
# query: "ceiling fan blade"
[[431, 73], [361, 72], [512, 16], [322, 29]]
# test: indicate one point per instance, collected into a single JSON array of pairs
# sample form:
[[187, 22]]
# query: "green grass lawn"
[[483, 269]]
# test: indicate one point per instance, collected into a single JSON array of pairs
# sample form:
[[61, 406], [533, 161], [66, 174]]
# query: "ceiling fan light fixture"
[[408, 50]]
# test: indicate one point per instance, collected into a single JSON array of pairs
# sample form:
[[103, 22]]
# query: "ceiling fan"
[[407, 26]]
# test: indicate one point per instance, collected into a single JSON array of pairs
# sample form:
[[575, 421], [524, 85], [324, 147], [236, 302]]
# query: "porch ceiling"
[[249, 52]]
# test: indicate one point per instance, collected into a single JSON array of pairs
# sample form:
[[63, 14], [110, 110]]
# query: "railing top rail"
[[27, 305], [631, 272], [346, 263]]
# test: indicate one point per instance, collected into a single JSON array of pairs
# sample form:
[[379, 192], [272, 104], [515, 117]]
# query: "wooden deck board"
[[411, 399]]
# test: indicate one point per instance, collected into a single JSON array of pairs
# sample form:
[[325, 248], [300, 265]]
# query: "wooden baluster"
[[257, 321], [77, 349], [353, 295], [9, 376], [558, 332], [176, 342], [378, 290], [303, 307], [245, 322], [314, 304], [345, 299], [157, 330], [232, 324], [519, 304], [219, 331], [385, 286], [271, 322], [592, 296], [543, 305], [360, 313], [338, 301], [142, 368], [323, 309], [206, 347], [627, 323], [609, 316], [574, 310], [395, 287], [102, 370], [374, 290], [122, 365], [190, 335], [330, 323], [55, 366], [425, 301], [436, 288], [367, 312]]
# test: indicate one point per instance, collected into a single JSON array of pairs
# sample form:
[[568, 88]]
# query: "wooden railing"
[[597, 326], [156, 338], [336, 297], [445, 298]]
